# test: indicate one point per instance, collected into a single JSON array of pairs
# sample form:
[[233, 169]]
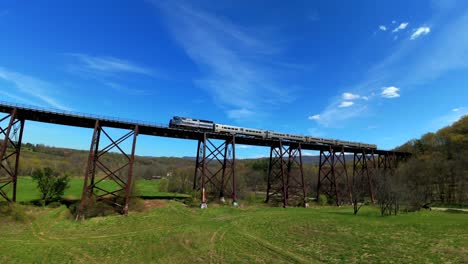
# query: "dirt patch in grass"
[[153, 204]]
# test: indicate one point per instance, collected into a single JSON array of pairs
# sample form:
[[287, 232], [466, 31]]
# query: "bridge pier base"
[[10, 149], [286, 175], [102, 183], [215, 170]]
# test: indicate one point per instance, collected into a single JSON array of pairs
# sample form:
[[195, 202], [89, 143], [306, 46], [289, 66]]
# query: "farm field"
[[170, 232], [27, 189]]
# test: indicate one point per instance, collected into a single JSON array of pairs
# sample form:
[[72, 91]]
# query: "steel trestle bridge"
[[215, 163]]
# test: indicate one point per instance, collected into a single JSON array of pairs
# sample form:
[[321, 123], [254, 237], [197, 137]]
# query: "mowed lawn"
[[27, 189], [174, 233]]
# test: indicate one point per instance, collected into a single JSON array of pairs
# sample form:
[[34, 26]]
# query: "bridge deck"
[[145, 128]]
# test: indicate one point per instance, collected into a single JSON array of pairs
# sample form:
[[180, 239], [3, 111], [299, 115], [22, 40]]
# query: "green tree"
[[51, 184]]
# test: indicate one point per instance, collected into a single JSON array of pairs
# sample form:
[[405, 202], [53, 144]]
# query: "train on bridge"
[[210, 126]]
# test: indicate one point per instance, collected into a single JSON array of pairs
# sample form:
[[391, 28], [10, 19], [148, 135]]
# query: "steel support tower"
[[103, 183], [215, 172], [333, 178], [365, 168], [286, 175], [11, 129]]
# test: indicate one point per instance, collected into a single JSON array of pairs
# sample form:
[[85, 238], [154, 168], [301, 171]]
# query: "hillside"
[[438, 170]]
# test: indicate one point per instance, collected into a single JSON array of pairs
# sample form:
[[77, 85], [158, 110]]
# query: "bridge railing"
[[81, 114]]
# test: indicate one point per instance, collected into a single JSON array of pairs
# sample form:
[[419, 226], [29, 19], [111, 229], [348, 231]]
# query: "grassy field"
[[27, 189], [170, 232]]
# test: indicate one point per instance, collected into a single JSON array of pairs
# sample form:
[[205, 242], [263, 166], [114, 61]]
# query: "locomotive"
[[210, 126]]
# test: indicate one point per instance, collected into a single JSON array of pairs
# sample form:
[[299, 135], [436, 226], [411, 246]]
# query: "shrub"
[[322, 200], [194, 199], [251, 198], [51, 184], [163, 185], [13, 212]]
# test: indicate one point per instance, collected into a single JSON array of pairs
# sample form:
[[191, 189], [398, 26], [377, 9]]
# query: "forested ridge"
[[438, 169]]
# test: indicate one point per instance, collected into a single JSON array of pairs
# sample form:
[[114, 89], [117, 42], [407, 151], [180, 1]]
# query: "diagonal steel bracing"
[[365, 169], [10, 148], [333, 178], [215, 170], [286, 175], [110, 184]]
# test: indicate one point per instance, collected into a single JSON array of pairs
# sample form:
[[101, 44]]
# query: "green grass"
[[177, 234], [27, 189]]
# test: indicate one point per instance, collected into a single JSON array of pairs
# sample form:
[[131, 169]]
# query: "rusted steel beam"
[[130, 171], [215, 170], [10, 150], [286, 175], [93, 189], [326, 176]]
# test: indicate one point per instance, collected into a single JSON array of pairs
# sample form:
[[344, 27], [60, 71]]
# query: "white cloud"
[[346, 104], [32, 88], [456, 109], [365, 98], [382, 27], [402, 26], [390, 92], [109, 65], [410, 66], [393, 21], [243, 147], [420, 32], [314, 117], [349, 96]]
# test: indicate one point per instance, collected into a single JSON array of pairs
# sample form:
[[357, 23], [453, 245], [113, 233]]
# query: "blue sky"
[[380, 72]]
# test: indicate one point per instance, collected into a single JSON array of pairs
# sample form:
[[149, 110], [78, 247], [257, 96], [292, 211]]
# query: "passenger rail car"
[[205, 125]]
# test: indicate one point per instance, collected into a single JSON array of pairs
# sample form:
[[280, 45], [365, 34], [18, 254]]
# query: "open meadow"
[[170, 232]]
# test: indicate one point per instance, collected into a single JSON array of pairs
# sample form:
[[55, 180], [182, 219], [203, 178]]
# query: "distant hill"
[[73, 161]]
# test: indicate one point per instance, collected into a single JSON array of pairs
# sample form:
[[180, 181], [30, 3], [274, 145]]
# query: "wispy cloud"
[[350, 96], [345, 104], [390, 92], [31, 87], [333, 115], [109, 65], [421, 31], [110, 71], [239, 113], [383, 28], [448, 118], [314, 117], [121, 88], [233, 60], [402, 26]]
